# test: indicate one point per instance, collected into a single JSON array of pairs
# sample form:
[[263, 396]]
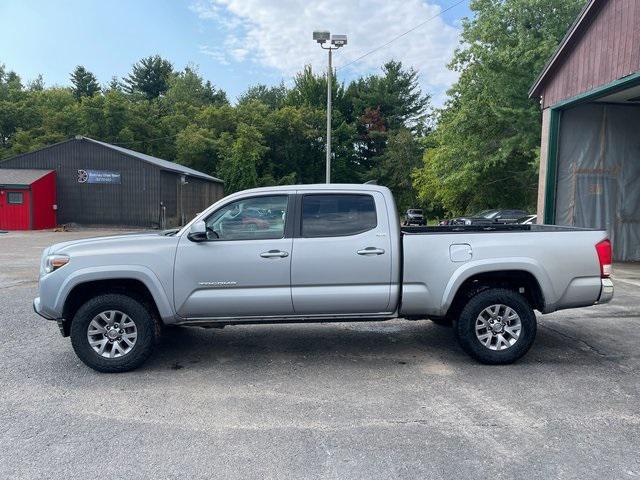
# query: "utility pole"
[[328, 162], [337, 41]]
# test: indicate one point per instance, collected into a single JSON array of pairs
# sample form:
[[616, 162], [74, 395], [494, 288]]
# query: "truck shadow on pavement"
[[345, 345]]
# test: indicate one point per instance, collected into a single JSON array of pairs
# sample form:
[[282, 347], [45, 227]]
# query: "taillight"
[[604, 257]]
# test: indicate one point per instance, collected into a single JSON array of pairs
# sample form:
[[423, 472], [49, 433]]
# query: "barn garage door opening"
[[598, 169]]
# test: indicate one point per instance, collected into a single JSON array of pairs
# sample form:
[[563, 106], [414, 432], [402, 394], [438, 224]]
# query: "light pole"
[[335, 42]]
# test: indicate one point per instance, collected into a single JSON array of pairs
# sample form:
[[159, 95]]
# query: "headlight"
[[54, 262]]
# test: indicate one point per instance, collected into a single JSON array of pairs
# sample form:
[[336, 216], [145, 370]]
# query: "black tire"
[[466, 334], [145, 323]]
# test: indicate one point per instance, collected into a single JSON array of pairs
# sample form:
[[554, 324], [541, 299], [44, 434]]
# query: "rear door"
[[342, 255]]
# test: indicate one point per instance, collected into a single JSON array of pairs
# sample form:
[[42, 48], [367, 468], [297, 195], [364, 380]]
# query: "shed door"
[[14, 209]]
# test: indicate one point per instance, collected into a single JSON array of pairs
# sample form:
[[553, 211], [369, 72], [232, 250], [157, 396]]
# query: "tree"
[[189, 88], [150, 76], [273, 97], [402, 156], [396, 94], [37, 84], [84, 83], [487, 139], [239, 166], [115, 85], [196, 149], [310, 90]]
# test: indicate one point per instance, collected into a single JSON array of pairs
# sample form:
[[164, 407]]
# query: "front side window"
[[334, 215], [256, 218], [15, 198]]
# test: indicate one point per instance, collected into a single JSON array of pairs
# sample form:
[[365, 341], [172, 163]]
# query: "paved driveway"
[[370, 400]]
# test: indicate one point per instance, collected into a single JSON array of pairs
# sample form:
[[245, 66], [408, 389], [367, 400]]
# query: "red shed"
[[27, 199]]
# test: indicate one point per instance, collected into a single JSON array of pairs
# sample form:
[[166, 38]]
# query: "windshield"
[[415, 212], [487, 213]]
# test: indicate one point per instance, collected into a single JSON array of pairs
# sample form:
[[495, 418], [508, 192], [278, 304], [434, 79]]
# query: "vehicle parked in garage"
[[329, 253], [414, 216]]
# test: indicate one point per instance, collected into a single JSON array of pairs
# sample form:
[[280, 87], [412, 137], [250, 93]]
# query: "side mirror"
[[198, 232]]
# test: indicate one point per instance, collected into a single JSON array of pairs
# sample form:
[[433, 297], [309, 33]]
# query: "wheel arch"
[[84, 284], [520, 280]]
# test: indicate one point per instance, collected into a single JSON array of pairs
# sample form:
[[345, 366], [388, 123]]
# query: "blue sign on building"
[[99, 176]]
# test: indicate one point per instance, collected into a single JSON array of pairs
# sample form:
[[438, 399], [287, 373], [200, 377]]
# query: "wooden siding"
[[606, 48], [183, 201]]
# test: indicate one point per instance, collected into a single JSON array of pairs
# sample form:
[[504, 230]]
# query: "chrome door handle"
[[370, 251], [274, 254]]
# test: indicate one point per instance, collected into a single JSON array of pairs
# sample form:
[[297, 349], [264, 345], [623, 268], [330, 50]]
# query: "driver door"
[[244, 269]]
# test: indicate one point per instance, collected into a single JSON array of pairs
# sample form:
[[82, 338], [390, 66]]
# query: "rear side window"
[[335, 215]]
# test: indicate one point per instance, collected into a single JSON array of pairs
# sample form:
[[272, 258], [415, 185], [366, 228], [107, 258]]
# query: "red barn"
[[27, 199]]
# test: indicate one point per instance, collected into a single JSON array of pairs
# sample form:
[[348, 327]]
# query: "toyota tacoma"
[[318, 253]]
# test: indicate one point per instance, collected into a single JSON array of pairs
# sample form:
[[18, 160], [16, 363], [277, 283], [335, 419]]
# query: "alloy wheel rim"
[[112, 334], [498, 327]]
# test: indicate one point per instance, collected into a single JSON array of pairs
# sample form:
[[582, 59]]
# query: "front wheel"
[[113, 333], [497, 326]]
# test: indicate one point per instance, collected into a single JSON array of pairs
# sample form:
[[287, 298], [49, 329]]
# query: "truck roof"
[[368, 187]]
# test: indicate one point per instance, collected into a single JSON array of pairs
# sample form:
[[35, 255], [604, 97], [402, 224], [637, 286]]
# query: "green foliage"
[[272, 136], [484, 151], [396, 95], [272, 97], [84, 83], [238, 165], [188, 87], [402, 156], [150, 77]]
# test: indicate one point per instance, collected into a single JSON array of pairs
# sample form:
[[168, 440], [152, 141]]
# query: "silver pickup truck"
[[317, 253]]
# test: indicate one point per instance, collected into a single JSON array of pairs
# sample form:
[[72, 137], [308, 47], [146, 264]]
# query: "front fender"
[[112, 272], [468, 270]]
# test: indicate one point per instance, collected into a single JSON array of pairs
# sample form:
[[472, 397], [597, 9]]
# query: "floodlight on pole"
[[335, 42], [321, 37]]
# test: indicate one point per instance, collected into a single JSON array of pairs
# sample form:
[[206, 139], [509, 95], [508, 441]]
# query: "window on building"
[[337, 215], [15, 198]]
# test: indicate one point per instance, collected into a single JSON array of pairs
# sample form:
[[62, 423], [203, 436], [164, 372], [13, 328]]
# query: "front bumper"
[[606, 291], [37, 308]]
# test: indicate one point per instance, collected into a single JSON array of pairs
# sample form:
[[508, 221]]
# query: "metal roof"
[[20, 176], [584, 13], [159, 162]]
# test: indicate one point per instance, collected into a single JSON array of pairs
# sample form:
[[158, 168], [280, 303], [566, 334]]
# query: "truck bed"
[[497, 227], [437, 260]]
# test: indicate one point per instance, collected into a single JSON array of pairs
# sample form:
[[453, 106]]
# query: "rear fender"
[[471, 269]]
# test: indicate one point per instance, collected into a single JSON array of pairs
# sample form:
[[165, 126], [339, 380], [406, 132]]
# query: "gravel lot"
[[371, 400]]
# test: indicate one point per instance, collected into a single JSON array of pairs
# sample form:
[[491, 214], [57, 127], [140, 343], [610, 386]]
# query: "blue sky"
[[235, 43]]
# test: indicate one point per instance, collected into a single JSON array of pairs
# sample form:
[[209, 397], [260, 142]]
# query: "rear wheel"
[[113, 333], [496, 326]]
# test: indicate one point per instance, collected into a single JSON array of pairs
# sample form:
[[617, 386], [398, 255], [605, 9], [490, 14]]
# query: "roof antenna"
[[371, 182]]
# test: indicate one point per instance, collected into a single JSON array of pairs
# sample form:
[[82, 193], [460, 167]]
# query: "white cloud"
[[277, 34]]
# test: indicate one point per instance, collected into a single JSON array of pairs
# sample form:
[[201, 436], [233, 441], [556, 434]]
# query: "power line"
[[400, 36]]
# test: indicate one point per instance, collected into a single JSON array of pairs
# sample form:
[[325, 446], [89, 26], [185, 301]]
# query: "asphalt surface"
[[392, 399]]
